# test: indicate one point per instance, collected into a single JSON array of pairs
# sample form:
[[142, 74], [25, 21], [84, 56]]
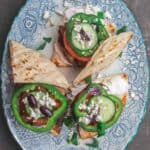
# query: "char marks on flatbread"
[[29, 66], [106, 54]]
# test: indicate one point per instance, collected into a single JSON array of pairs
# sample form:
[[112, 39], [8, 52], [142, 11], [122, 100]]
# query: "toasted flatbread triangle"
[[29, 66], [106, 54]]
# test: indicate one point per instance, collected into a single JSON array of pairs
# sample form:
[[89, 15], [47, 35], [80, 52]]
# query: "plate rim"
[[147, 61]]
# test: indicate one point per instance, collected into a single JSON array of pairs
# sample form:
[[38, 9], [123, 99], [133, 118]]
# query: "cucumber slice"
[[84, 37], [107, 108]]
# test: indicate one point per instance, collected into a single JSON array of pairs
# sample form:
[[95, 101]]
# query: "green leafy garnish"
[[88, 80], [42, 46], [101, 129], [100, 14], [102, 33], [69, 122], [120, 54], [122, 29], [46, 40], [94, 144], [73, 139]]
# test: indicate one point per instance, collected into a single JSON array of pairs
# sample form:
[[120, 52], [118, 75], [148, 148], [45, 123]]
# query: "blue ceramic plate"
[[29, 28]]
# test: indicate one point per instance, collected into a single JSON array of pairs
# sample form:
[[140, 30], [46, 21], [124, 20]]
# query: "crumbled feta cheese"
[[132, 94], [41, 102], [98, 118], [89, 108], [25, 100], [46, 15], [107, 15], [77, 28], [84, 120], [89, 9], [53, 103], [82, 106], [35, 113]]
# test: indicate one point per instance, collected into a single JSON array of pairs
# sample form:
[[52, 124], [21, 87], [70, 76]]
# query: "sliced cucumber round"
[[107, 108], [84, 38]]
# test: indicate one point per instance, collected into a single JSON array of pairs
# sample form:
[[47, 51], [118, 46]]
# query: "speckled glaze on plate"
[[29, 28]]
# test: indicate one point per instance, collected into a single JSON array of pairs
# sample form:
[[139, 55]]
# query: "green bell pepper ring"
[[108, 124], [118, 103], [56, 114], [99, 127], [90, 19], [86, 93]]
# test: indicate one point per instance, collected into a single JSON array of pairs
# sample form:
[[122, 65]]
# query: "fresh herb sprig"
[[45, 41], [69, 122], [121, 30], [101, 15], [73, 139]]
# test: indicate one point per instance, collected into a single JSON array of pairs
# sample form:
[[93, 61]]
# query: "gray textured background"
[[10, 8]]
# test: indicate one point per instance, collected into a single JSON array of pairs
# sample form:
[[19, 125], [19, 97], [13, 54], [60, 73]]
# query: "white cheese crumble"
[[46, 15], [107, 15], [35, 113], [45, 99], [98, 118], [88, 9], [82, 106], [84, 120], [77, 28], [25, 100]]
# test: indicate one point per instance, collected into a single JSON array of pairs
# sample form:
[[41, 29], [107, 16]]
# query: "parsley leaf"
[[101, 129], [42, 46], [122, 29], [100, 14], [88, 80], [120, 54], [73, 139], [69, 122], [47, 39], [94, 144]]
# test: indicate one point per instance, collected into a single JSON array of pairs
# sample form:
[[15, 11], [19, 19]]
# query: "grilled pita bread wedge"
[[117, 85], [29, 66], [106, 54]]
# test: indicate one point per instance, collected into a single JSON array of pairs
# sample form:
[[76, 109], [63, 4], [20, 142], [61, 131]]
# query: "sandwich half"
[[99, 105], [39, 103]]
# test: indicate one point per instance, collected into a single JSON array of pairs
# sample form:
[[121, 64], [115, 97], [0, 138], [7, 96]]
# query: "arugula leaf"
[[42, 46], [101, 15], [69, 122], [73, 139], [94, 144], [47, 39], [122, 29]]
